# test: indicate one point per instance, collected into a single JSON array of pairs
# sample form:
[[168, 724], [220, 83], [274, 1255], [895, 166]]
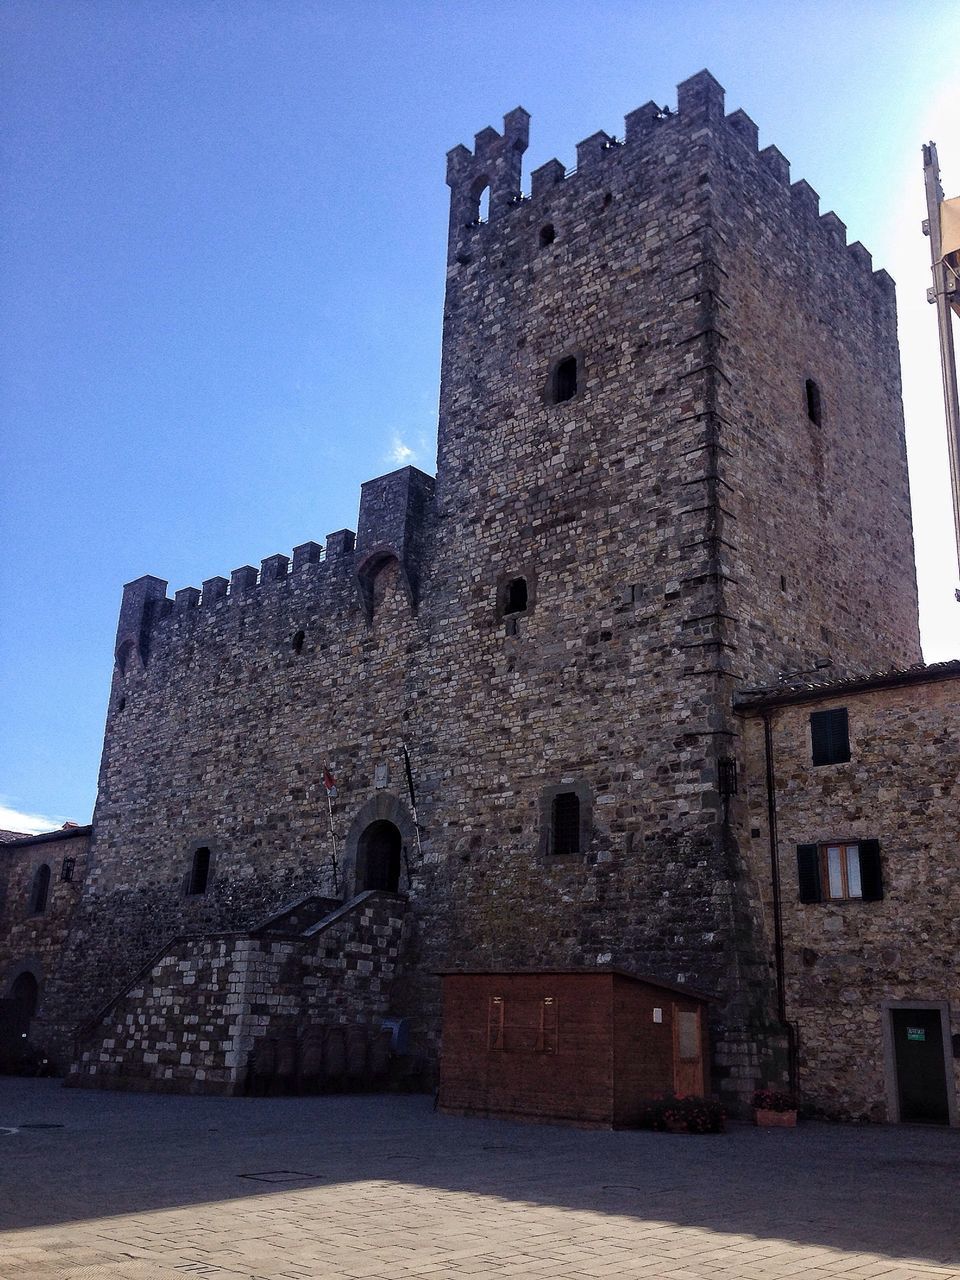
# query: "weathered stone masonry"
[[190, 1021], [847, 962], [681, 524], [32, 941]]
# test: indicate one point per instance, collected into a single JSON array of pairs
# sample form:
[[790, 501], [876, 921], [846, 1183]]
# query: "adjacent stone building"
[[852, 793], [41, 879], [505, 705]]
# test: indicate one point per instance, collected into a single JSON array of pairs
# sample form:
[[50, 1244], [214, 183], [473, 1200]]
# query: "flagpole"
[[939, 295], [333, 841], [330, 787], [413, 798]]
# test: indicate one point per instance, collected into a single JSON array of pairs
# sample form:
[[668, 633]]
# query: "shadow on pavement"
[[879, 1189]]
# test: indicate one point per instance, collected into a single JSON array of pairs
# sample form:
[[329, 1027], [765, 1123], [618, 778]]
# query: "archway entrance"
[[24, 994], [16, 1012], [378, 857]]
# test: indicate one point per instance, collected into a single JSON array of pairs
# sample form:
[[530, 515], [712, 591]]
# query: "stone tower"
[[670, 405], [671, 465]]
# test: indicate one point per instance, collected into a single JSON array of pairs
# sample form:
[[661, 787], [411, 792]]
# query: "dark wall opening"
[[565, 380], [199, 872], [25, 994], [40, 891], [379, 857]]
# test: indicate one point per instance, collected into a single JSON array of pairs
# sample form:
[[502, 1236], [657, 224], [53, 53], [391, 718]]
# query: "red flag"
[[329, 781]]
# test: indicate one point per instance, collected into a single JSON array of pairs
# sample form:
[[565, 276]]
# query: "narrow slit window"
[[67, 869], [547, 235], [814, 412], [516, 596], [566, 823], [297, 643], [565, 380], [199, 872], [40, 891]]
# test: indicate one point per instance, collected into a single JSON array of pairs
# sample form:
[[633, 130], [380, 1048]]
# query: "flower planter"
[[774, 1119], [676, 1126]]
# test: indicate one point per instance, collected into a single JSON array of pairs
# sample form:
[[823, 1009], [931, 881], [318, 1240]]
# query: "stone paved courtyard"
[[163, 1188]]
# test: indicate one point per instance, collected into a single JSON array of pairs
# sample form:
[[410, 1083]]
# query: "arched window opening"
[[566, 823], [296, 644], [382, 581], [479, 205], [379, 855], [25, 994], [385, 580], [515, 600], [547, 235], [199, 872], [565, 380], [814, 411], [40, 891]]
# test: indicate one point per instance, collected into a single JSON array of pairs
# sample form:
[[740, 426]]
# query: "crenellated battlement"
[[496, 163], [393, 512]]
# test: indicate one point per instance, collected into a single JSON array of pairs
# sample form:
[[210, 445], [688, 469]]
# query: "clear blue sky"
[[222, 264]]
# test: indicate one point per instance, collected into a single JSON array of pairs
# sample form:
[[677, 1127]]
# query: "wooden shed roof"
[[592, 971]]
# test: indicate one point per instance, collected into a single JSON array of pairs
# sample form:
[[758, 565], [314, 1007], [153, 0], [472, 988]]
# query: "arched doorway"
[[25, 994], [16, 1013], [378, 857]]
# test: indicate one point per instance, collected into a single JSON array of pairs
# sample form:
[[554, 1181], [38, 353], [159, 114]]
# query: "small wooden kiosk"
[[576, 1046]]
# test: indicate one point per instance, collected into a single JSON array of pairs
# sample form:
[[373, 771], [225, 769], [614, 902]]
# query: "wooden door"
[[687, 1052], [921, 1073]]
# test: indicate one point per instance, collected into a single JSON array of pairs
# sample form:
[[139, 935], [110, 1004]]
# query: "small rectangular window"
[[565, 380], [566, 823], [814, 408], [66, 868], [830, 736], [840, 872], [843, 870], [688, 1035]]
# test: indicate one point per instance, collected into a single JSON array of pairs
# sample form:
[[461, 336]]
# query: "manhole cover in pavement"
[[281, 1175], [40, 1124]]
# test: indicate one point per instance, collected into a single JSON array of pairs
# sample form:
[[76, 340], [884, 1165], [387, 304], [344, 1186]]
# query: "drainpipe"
[[791, 1028]]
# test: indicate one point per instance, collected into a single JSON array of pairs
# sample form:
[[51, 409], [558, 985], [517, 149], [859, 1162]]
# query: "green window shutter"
[[871, 877], [808, 872], [830, 736]]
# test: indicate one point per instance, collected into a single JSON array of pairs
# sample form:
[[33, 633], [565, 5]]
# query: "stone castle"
[[512, 720]]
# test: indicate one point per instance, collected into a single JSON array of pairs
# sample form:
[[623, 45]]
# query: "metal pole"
[[948, 359], [333, 841], [413, 797]]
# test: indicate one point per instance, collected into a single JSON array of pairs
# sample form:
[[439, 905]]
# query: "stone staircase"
[[192, 1018]]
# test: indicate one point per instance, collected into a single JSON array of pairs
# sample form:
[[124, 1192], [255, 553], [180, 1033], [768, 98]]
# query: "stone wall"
[[844, 959], [191, 1021], [33, 942], [640, 512]]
